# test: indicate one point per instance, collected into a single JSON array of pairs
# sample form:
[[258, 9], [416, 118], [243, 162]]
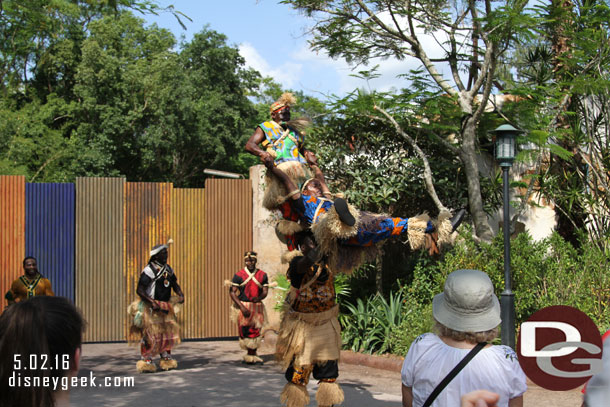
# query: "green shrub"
[[367, 325], [544, 273]]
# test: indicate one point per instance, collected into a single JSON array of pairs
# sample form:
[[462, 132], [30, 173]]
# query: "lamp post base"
[[507, 313]]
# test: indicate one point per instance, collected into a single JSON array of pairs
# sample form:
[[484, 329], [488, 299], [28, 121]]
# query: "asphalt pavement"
[[211, 374]]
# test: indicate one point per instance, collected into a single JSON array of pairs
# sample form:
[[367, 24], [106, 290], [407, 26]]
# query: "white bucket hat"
[[468, 303]]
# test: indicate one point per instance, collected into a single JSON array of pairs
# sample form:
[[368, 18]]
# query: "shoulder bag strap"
[[453, 373]]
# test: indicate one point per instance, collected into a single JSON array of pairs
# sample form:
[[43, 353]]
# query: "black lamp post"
[[506, 141]]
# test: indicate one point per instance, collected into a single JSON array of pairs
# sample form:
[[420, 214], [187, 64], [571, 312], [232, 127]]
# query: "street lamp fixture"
[[224, 174], [506, 141]]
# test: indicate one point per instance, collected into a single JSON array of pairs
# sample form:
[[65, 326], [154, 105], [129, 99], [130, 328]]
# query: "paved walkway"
[[211, 374]]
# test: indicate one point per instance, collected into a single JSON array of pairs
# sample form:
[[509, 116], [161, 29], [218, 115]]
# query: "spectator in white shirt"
[[466, 313]]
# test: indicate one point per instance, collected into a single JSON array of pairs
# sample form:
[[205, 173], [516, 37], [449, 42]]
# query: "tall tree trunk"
[[562, 13], [468, 154]]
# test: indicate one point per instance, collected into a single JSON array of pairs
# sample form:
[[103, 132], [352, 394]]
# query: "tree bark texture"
[[468, 154]]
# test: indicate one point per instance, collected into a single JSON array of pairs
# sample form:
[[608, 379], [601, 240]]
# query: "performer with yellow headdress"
[[281, 141], [248, 289], [153, 317]]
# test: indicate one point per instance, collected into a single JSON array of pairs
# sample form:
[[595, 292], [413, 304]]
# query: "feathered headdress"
[[287, 99]]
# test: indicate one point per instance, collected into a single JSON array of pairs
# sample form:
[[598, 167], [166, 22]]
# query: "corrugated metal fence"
[[12, 229], [92, 239], [49, 233], [228, 235]]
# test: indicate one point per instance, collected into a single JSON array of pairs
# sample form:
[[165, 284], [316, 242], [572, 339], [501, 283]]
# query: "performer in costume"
[[30, 284], [282, 141], [309, 340], [338, 227], [248, 289], [153, 317]]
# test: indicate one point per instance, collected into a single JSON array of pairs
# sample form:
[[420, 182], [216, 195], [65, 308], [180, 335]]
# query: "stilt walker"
[[153, 317], [309, 340], [248, 289]]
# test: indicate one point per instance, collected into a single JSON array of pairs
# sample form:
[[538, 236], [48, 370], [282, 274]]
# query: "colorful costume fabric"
[[285, 147], [250, 287], [347, 247], [309, 209], [309, 339], [24, 288], [157, 331], [282, 144]]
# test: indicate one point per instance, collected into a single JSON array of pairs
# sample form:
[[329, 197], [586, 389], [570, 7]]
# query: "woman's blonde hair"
[[472, 337]]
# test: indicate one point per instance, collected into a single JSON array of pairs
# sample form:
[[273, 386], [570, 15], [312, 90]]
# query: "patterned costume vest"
[[282, 144]]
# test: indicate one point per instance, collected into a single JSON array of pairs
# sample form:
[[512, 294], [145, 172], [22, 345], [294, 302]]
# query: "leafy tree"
[[101, 95], [474, 36], [562, 76], [160, 115]]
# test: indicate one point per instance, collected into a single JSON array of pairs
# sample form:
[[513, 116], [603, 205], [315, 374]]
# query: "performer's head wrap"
[[157, 249], [250, 255], [287, 99]]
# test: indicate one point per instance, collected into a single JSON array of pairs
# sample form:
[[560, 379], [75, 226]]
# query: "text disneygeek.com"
[[64, 383], [39, 363]]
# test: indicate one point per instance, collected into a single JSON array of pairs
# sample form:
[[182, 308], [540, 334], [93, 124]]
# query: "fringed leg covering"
[[249, 343], [144, 366], [249, 359], [275, 191], [329, 393], [329, 228], [294, 395], [443, 227], [168, 364], [417, 231]]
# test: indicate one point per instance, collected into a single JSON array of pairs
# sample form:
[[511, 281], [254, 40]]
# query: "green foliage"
[[366, 325], [87, 90], [561, 75], [544, 273], [280, 291], [378, 170]]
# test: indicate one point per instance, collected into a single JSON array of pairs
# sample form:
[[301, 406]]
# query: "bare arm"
[[263, 295], [320, 177], [178, 290], [252, 146], [141, 291], [233, 293], [407, 396]]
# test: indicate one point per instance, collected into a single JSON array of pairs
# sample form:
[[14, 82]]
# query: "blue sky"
[[272, 38]]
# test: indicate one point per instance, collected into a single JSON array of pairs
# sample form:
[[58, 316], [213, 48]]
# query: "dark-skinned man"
[[248, 289], [154, 320], [280, 142], [309, 339], [30, 284]]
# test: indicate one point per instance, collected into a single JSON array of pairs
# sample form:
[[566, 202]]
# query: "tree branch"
[[429, 183]]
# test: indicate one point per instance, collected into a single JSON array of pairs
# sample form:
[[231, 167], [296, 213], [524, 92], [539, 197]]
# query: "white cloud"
[[287, 74]]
